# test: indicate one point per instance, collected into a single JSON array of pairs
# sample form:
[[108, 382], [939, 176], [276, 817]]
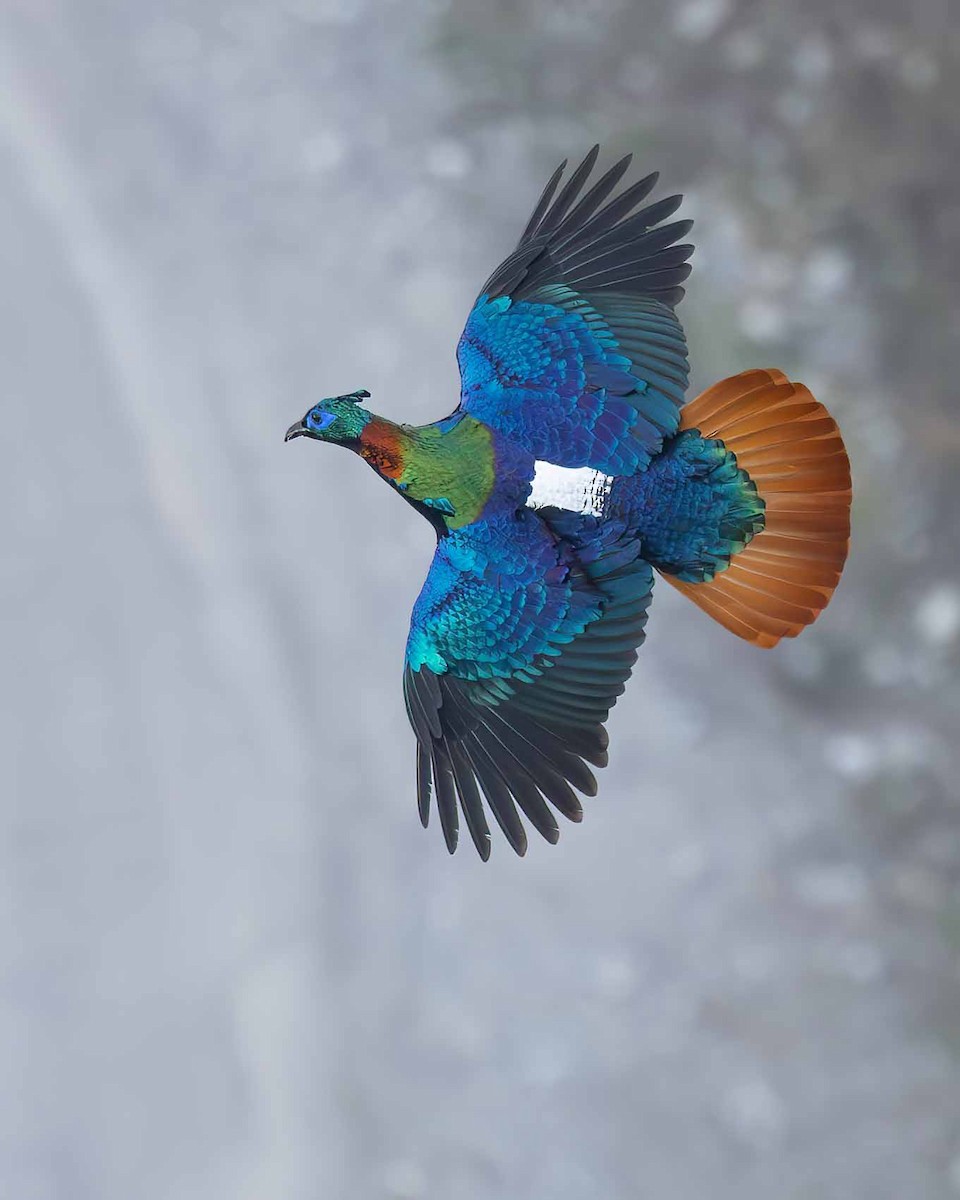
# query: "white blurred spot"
[[805, 661], [445, 910], [322, 152], [744, 49], [761, 320], [455, 1029], [873, 43], [324, 12], [827, 272], [404, 1179], [831, 885], [448, 159], [772, 270], [687, 863], [918, 70], [953, 1172], [813, 60], [852, 755], [616, 976], [226, 67], [754, 962], [794, 107], [170, 43], [885, 666], [755, 1112], [640, 75], [699, 19], [938, 614], [918, 887], [429, 294], [547, 1060], [882, 436], [904, 746], [861, 962]]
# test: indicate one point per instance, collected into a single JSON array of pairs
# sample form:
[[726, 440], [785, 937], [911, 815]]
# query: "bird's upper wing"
[[573, 348], [521, 640]]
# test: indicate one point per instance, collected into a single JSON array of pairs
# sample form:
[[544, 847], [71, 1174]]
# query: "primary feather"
[[568, 473]]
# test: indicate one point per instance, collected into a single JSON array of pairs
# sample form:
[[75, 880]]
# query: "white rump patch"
[[576, 489]]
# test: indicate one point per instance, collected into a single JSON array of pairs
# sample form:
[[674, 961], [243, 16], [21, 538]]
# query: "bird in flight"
[[570, 472]]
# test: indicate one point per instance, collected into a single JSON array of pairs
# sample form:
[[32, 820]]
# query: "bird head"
[[338, 419]]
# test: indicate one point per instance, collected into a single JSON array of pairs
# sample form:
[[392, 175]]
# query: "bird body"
[[570, 472]]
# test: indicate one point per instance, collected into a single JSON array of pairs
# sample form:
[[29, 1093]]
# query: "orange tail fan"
[[792, 449]]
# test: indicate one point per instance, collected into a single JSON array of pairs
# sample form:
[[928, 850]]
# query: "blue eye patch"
[[318, 418]]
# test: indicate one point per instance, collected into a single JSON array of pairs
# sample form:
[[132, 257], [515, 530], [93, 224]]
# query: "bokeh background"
[[233, 965]]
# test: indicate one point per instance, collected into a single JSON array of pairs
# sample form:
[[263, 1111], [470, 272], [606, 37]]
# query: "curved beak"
[[296, 430]]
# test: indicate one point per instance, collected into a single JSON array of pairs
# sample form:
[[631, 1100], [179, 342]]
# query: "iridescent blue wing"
[[573, 349], [520, 643]]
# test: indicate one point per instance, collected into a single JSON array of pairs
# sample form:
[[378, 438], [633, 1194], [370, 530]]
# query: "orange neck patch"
[[382, 445]]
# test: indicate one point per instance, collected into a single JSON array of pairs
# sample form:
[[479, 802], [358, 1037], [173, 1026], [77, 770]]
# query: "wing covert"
[[573, 348]]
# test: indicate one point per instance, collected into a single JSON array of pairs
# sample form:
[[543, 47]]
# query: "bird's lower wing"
[[521, 641]]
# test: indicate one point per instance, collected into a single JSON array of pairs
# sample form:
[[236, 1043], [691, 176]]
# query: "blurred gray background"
[[233, 965]]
